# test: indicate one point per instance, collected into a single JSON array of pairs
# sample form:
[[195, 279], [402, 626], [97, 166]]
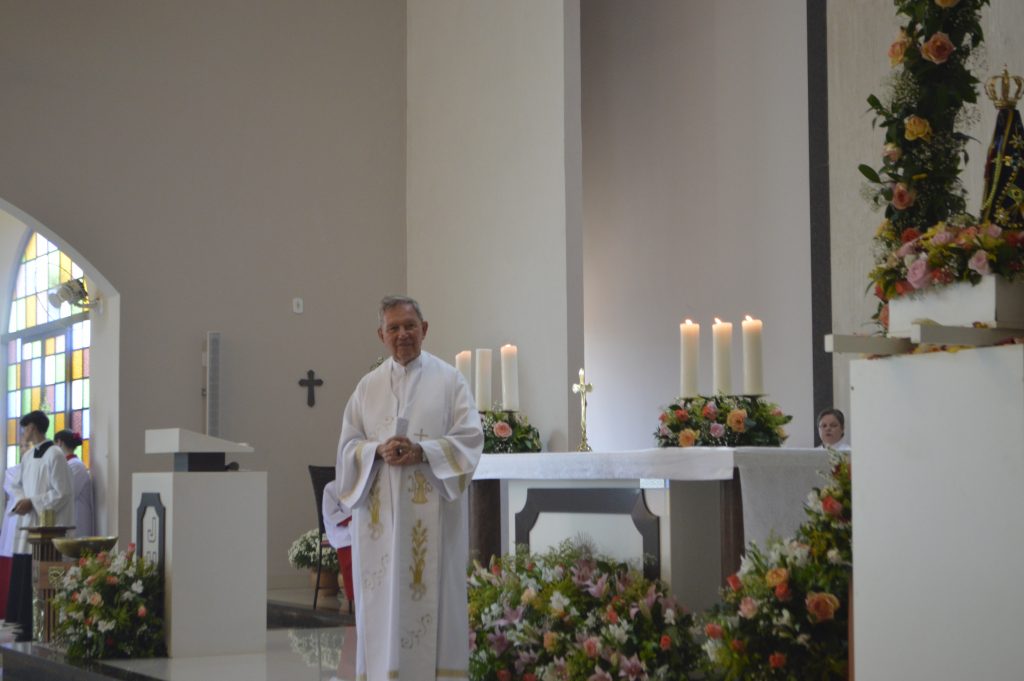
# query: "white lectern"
[[208, 528]]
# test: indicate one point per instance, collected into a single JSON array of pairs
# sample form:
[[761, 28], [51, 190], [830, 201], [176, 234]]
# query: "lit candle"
[[721, 333], [483, 379], [753, 371], [464, 363], [509, 378], [689, 355]]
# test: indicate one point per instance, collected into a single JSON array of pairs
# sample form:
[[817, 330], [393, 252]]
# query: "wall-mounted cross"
[[310, 383]]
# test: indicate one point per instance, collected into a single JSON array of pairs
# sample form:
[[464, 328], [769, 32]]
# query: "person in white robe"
[[336, 526], [832, 430], [9, 527], [81, 482], [43, 483], [410, 441]]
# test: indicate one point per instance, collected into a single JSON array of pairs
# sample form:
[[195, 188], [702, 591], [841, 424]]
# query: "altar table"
[[690, 511]]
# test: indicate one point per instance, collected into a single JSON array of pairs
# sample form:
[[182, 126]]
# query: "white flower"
[[783, 620], [558, 603], [834, 556], [746, 565], [104, 625], [804, 640], [670, 616], [814, 502], [799, 553], [617, 632], [137, 586], [711, 647]]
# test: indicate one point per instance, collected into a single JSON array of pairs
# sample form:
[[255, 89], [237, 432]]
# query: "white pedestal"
[[993, 301], [215, 559], [937, 524]]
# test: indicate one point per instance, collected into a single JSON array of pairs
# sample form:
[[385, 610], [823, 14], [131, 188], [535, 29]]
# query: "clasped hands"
[[400, 451], [22, 507]]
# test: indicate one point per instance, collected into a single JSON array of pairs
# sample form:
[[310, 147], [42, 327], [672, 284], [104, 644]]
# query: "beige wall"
[[859, 34], [695, 200], [493, 190], [214, 161]]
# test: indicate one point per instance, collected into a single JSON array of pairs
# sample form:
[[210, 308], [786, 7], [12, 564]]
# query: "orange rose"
[[915, 127], [821, 607], [898, 49], [737, 645], [665, 643], [937, 48], [504, 675], [737, 420], [687, 437], [713, 630], [782, 592], [946, 4], [776, 576], [777, 660], [550, 641], [734, 582]]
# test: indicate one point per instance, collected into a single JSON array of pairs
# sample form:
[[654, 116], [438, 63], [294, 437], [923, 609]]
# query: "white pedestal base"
[[937, 525], [215, 560], [994, 301]]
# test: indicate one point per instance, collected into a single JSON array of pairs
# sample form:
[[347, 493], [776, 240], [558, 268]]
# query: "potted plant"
[[304, 553]]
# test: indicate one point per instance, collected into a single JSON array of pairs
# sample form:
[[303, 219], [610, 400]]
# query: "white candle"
[[753, 371], [483, 379], [464, 363], [509, 378], [721, 333], [689, 356]]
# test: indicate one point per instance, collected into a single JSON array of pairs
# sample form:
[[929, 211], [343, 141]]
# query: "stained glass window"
[[47, 348]]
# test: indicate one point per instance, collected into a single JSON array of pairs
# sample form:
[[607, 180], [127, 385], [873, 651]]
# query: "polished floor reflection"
[[291, 655]]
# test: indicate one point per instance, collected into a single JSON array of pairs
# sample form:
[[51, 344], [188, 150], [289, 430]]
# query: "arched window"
[[48, 345]]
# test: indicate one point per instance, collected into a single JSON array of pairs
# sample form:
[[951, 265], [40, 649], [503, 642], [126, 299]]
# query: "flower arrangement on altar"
[[305, 551], [571, 615], [508, 432], [108, 606], [722, 421], [927, 238], [785, 613]]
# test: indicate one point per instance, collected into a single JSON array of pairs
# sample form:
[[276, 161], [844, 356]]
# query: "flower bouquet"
[[574, 616], [722, 421], [108, 606], [508, 432], [785, 612], [305, 551]]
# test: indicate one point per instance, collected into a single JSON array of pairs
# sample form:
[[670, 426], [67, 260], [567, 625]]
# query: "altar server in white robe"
[[410, 442], [43, 483], [81, 482], [337, 519]]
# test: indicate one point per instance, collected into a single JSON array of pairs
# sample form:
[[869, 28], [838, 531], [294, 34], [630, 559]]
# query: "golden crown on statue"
[[1004, 99]]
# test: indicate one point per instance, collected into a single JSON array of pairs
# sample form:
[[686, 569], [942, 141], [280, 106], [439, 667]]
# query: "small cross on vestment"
[[311, 383], [420, 435]]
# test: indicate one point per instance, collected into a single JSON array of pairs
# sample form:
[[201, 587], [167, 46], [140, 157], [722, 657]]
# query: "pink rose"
[[918, 273], [892, 152], [748, 607], [979, 263], [993, 230], [831, 506], [906, 249], [717, 430], [502, 430], [937, 48], [898, 48], [95, 599], [902, 196], [942, 237], [713, 630], [141, 612], [592, 646]]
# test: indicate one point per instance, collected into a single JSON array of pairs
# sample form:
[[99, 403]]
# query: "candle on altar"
[[753, 369], [689, 358], [483, 379], [721, 333], [509, 378], [464, 363]]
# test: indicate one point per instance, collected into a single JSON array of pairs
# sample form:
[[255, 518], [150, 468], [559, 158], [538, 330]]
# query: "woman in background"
[[832, 430]]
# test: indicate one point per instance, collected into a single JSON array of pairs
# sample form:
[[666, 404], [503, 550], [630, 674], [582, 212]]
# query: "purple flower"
[[582, 572], [993, 230], [632, 669], [599, 675], [918, 274], [717, 430], [942, 237], [499, 642], [527, 658], [599, 588], [979, 263], [512, 615]]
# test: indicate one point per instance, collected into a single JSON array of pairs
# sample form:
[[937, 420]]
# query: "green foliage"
[[508, 432], [722, 421], [576, 616], [108, 606]]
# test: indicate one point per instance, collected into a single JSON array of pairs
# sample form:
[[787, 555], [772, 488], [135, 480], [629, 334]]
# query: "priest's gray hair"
[[388, 302]]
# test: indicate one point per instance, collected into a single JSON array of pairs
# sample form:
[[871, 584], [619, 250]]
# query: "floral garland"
[[304, 551], [918, 182], [508, 432], [785, 611], [574, 616], [108, 606], [722, 421]]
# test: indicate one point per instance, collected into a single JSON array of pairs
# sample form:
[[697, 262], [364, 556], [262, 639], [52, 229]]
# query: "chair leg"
[[319, 566]]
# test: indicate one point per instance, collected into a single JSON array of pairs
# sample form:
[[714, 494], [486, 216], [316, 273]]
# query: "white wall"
[[213, 161], [859, 34], [695, 200], [493, 190]]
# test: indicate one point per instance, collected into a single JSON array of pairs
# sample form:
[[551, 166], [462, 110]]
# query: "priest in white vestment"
[[410, 442]]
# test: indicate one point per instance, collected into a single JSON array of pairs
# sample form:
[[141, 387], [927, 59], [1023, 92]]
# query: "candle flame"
[[717, 320], [749, 318], [689, 321]]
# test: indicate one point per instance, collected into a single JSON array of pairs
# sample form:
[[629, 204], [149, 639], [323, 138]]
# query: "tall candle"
[[721, 333], [464, 363], [753, 371], [483, 379], [509, 378], [689, 356]]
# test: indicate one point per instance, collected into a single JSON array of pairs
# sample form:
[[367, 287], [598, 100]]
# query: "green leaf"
[[869, 172]]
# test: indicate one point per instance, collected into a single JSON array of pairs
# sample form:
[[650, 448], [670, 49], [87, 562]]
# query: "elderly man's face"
[[403, 333]]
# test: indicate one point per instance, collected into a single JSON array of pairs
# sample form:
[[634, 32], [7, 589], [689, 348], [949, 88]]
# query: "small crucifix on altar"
[[582, 388], [311, 383]]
